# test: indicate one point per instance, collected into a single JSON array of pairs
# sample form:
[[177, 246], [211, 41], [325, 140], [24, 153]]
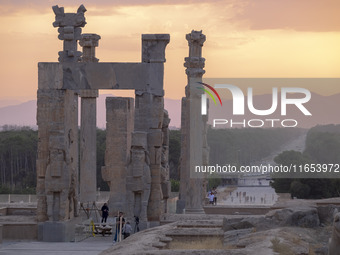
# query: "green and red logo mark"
[[204, 97]]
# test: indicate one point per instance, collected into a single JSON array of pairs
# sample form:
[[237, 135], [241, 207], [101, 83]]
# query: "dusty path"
[[297, 144]]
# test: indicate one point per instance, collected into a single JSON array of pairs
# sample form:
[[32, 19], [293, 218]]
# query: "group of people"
[[212, 195], [121, 226]]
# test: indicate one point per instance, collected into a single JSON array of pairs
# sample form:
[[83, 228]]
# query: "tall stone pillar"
[[165, 169], [192, 185], [149, 117], [57, 119], [119, 126], [88, 144], [57, 163], [88, 140]]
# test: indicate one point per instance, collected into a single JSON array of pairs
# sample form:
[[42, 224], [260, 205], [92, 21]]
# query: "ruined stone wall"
[[119, 126], [57, 169], [136, 157]]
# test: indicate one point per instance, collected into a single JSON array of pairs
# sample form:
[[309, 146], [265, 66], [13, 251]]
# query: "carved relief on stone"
[[195, 40], [139, 177], [195, 63], [69, 31], [165, 174]]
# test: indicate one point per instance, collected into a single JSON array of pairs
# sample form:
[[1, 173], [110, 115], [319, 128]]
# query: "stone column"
[[57, 119], [89, 42], [165, 170], [88, 146], [57, 174], [192, 186], [149, 117], [119, 126], [57, 162], [88, 140]]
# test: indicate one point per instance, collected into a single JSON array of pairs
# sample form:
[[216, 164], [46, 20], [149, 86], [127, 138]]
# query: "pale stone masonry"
[[194, 148], [138, 179], [119, 126], [88, 127], [137, 144], [165, 169]]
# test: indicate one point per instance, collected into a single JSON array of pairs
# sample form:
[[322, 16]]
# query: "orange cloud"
[[301, 15], [233, 47]]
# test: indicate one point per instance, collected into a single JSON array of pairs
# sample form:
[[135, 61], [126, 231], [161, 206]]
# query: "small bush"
[[174, 185]]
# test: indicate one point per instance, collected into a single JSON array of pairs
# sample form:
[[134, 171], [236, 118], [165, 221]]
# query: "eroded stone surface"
[[119, 126], [136, 163], [194, 148], [69, 31]]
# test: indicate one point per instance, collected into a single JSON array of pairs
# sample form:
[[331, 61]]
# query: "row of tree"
[[235, 146], [322, 151], [18, 152]]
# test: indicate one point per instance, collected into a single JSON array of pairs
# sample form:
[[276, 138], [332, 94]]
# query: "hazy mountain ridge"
[[24, 114], [324, 110]]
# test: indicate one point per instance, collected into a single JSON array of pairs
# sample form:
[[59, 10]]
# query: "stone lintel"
[[78, 76]]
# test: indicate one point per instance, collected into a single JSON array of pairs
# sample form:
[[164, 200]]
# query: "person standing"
[[214, 191], [127, 230], [211, 198], [120, 221], [105, 212]]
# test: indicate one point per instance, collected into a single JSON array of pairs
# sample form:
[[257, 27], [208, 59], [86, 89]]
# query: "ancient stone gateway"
[[137, 142]]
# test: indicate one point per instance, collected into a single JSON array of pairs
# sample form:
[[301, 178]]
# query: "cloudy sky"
[[245, 38]]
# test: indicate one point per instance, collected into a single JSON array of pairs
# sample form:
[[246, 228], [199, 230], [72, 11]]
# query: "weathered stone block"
[[153, 47], [57, 231], [41, 167], [155, 138], [50, 75], [139, 139], [138, 184], [106, 173], [88, 93], [155, 155]]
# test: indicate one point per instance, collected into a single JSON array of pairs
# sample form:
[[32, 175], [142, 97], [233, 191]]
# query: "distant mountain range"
[[324, 109], [24, 114]]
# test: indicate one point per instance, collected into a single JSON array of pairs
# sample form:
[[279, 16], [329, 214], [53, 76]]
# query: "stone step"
[[194, 232]]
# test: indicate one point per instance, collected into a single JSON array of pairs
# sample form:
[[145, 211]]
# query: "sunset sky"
[[245, 38]]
